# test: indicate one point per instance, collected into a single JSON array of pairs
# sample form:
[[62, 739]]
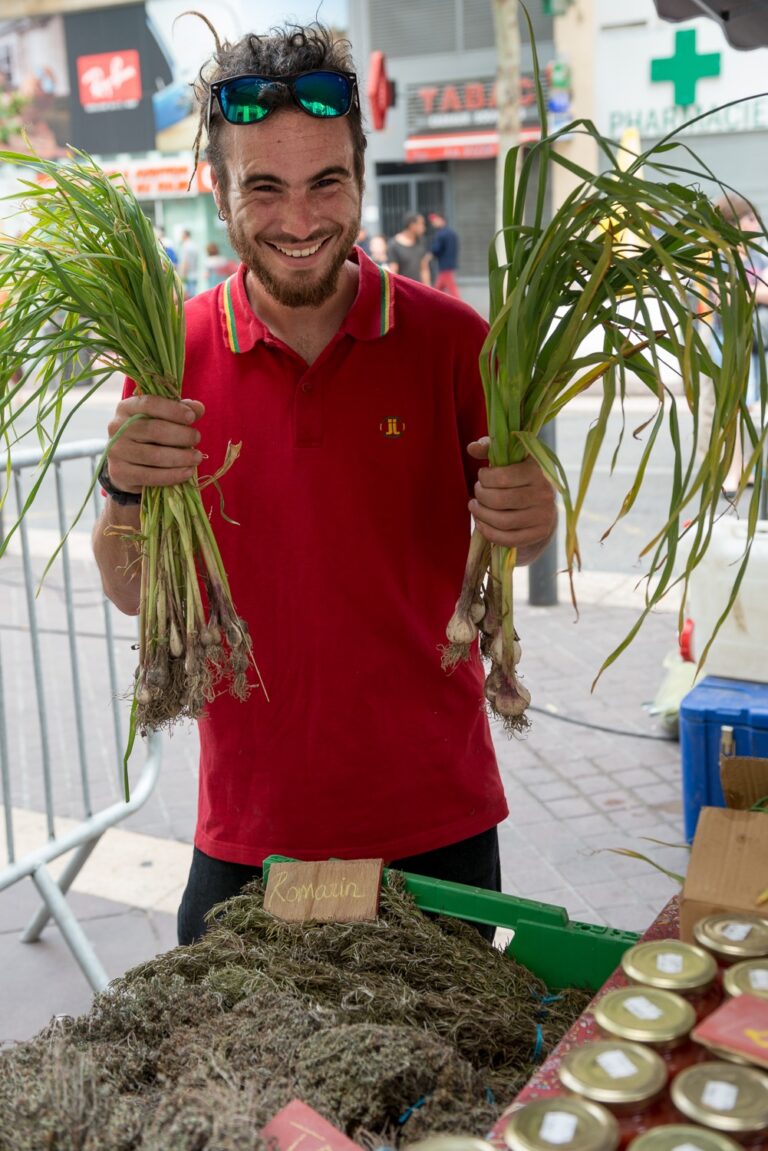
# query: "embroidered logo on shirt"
[[392, 427]]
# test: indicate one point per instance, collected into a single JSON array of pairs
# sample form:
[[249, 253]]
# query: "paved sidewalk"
[[575, 791]]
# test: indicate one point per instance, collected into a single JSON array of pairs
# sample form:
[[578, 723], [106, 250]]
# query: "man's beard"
[[296, 294]]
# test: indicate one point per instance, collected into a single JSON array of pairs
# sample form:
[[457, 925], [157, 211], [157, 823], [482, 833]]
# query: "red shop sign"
[[109, 80]]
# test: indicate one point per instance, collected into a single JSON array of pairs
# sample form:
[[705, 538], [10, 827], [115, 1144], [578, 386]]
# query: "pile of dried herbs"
[[393, 1030]]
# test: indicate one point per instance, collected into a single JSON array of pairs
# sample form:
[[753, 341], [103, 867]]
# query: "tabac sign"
[[447, 106], [456, 119]]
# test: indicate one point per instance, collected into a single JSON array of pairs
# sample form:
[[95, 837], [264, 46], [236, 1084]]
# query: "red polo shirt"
[[350, 497]]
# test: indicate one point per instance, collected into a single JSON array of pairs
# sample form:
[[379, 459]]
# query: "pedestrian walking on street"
[[378, 252], [445, 248], [167, 244], [189, 264], [364, 241], [217, 266], [344, 525], [408, 254]]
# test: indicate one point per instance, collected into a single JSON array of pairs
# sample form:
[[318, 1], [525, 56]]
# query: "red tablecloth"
[[545, 1082]]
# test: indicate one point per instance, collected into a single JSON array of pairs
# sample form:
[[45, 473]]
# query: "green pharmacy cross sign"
[[686, 67]]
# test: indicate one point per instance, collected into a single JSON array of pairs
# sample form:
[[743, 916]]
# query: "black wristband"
[[114, 493]]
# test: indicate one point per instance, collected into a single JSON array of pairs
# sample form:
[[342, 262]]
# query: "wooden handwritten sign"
[[298, 1128], [331, 891]]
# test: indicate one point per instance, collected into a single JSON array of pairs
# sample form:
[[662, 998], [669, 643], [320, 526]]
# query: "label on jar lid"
[[642, 1008], [758, 979], [736, 932], [719, 1096], [558, 1127], [670, 962], [616, 1064]]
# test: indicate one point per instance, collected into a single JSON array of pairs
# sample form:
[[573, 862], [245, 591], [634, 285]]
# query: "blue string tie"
[[410, 1110]]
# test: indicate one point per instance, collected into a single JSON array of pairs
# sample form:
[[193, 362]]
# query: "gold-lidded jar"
[[683, 1137], [672, 965], [628, 1079], [725, 1097], [750, 977], [649, 1015], [732, 936], [447, 1143], [566, 1122]]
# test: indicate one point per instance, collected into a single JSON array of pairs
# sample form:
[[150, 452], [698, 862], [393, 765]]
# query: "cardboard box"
[[728, 869], [744, 779]]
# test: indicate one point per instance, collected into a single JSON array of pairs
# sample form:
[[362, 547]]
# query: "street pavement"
[[595, 772]]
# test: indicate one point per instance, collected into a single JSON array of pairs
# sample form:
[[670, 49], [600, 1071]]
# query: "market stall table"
[[546, 1083]]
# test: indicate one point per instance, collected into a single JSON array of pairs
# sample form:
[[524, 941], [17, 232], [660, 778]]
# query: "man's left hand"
[[513, 505]]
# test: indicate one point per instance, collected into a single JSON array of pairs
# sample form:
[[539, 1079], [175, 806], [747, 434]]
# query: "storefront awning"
[[158, 180], [459, 145]]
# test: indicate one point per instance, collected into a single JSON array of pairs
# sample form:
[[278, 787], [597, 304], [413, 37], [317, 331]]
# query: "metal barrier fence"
[[63, 711]]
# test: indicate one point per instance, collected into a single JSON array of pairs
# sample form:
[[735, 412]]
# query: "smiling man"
[[357, 397], [293, 222], [266, 210]]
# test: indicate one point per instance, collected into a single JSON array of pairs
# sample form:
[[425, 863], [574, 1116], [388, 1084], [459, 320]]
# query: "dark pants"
[[473, 861]]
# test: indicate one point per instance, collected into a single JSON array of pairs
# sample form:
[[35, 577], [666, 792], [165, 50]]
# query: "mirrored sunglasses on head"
[[248, 99]]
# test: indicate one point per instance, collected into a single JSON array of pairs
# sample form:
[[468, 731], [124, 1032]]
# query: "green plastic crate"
[[561, 952]]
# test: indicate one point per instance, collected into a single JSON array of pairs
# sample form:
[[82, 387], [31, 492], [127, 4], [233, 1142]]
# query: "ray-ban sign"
[[329, 891]]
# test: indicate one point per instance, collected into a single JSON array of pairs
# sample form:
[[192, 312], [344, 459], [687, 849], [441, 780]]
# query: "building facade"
[[437, 150], [627, 69], [654, 76], [112, 77]]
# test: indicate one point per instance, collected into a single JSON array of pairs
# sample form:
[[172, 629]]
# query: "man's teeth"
[[298, 252]]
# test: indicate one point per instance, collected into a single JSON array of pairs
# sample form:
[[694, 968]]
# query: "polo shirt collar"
[[371, 316]]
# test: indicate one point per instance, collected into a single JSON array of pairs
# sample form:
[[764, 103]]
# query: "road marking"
[[127, 867]]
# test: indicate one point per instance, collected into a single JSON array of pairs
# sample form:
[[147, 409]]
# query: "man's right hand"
[[157, 450]]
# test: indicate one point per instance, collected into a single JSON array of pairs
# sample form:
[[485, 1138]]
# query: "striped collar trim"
[[229, 315], [371, 316], [387, 304]]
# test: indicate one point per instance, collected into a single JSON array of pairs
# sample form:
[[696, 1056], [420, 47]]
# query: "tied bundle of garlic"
[[88, 291], [626, 276]]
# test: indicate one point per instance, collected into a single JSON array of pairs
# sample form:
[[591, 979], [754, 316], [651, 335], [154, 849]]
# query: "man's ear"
[[216, 190]]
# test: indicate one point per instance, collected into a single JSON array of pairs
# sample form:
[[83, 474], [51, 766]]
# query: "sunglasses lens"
[[324, 93], [246, 100]]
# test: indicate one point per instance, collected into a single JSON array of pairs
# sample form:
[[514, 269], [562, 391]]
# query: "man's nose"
[[299, 219]]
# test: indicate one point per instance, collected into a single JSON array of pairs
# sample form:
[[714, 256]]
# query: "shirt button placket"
[[309, 413]]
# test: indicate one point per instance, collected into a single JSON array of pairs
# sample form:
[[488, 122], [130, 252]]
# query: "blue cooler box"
[[710, 705]]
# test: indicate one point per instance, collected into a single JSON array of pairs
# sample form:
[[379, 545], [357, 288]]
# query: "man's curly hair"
[[281, 52]]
